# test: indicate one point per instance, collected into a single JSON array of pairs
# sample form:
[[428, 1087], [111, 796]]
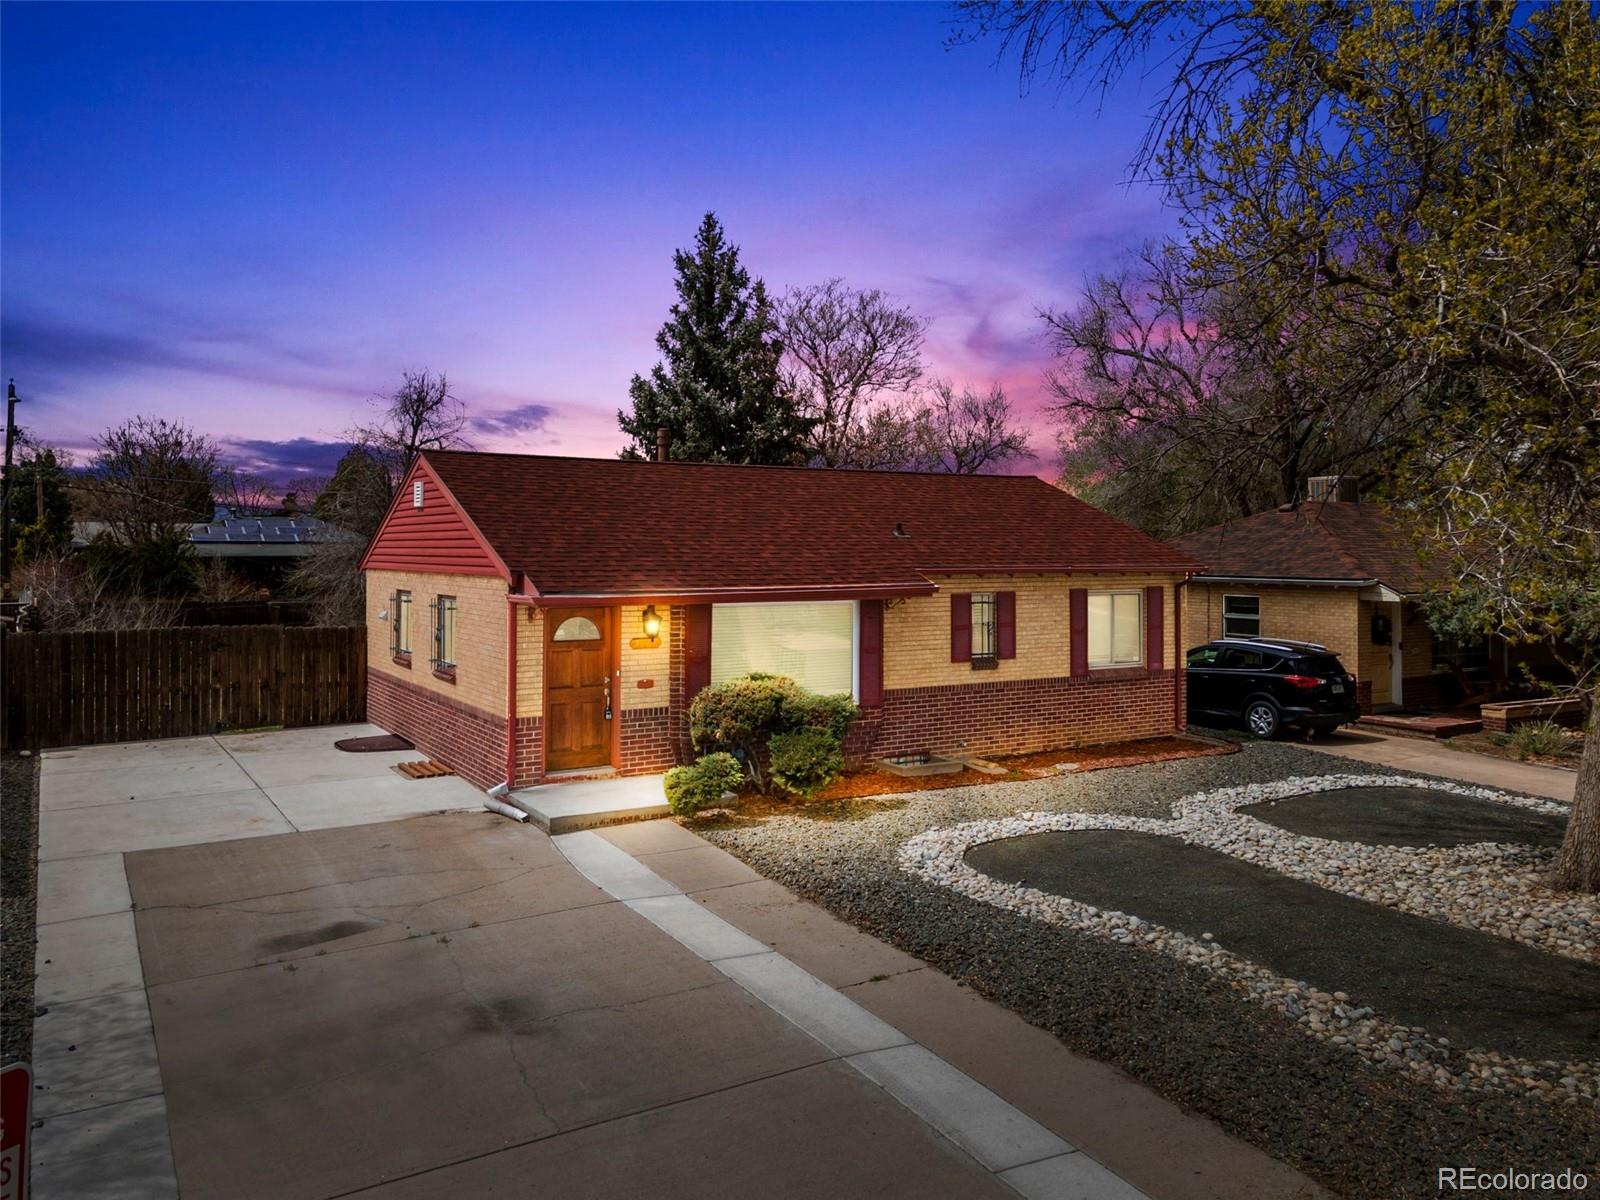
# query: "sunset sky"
[[253, 218]]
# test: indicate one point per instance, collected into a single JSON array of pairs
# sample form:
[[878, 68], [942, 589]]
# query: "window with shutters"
[[1116, 629], [985, 630], [400, 641]]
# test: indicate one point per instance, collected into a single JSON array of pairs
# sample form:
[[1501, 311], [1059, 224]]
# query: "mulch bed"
[[872, 782], [372, 745], [19, 865]]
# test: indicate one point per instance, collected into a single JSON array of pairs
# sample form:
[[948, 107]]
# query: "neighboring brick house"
[[533, 618], [1332, 571]]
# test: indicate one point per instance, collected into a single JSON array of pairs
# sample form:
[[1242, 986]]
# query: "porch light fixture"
[[650, 622]]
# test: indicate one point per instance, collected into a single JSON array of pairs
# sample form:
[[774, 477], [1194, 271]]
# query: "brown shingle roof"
[[1337, 540], [607, 527]]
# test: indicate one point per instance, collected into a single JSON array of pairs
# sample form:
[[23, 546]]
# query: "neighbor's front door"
[[577, 666]]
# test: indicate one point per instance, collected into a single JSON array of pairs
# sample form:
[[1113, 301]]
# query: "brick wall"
[[647, 740], [645, 670], [916, 631], [480, 674], [472, 742], [1018, 716], [1304, 614], [530, 750]]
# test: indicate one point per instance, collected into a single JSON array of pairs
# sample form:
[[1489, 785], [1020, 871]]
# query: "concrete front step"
[[587, 804], [1412, 725]]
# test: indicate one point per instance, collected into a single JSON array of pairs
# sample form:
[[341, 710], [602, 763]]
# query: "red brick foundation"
[[1017, 717], [648, 744], [530, 750], [470, 741]]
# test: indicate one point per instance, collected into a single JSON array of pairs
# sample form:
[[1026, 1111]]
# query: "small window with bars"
[[400, 636], [985, 630], [444, 632]]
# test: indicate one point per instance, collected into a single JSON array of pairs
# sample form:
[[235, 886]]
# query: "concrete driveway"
[[323, 996]]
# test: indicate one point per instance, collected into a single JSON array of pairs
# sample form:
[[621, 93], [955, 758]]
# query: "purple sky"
[[253, 218]]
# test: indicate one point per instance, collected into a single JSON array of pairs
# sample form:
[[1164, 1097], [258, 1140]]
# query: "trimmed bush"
[[742, 717], [805, 761], [702, 784]]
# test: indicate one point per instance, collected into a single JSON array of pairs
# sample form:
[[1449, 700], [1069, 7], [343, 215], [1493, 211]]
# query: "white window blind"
[[813, 644], [1116, 629]]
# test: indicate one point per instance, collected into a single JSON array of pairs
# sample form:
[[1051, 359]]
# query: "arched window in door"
[[576, 629]]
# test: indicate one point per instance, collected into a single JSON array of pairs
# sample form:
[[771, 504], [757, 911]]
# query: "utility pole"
[[5, 492]]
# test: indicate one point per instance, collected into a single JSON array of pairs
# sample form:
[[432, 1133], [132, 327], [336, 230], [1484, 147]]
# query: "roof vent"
[[900, 530]]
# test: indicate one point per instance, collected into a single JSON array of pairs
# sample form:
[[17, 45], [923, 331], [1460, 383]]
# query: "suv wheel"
[[1261, 718]]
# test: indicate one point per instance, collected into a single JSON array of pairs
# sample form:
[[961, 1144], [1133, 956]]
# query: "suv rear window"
[[1319, 664], [1236, 658]]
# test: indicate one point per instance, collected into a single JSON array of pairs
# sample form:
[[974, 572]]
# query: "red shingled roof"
[[1337, 540], [580, 526]]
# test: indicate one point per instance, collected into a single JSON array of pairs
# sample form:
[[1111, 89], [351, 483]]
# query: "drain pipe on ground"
[[494, 801]]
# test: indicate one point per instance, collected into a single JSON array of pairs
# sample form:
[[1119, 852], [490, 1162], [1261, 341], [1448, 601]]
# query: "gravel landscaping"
[[19, 847], [1360, 1122]]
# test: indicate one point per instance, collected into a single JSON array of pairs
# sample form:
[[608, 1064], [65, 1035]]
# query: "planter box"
[[1506, 716]]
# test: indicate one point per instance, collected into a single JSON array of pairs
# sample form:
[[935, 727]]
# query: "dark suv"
[[1268, 684]]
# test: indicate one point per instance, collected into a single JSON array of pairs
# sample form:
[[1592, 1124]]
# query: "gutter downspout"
[[511, 695]]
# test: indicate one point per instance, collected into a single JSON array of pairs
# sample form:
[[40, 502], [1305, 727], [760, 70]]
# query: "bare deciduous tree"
[[850, 357], [421, 414], [1179, 406], [965, 432], [149, 477]]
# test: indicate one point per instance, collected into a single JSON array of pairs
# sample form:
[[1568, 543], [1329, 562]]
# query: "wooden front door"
[[577, 671]]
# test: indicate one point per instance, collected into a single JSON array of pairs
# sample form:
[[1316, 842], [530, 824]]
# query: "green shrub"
[[800, 709], [1542, 738], [743, 716], [805, 761], [702, 784]]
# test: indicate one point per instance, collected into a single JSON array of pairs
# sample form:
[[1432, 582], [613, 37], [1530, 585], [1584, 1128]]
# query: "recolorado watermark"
[[1512, 1179]]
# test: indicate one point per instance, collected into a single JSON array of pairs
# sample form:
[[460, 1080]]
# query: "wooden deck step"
[[426, 769], [1419, 725]]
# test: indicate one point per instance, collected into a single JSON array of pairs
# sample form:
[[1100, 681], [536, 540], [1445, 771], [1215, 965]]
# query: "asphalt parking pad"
[[325, 1073], [1404, 816], [1476, 989]]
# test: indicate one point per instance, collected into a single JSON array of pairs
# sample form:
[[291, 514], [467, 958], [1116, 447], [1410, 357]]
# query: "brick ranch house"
[[1326, 570], [534, 618]]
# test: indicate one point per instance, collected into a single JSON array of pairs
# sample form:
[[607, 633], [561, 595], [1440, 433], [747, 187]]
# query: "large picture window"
[[813, 644], [1241, 616], [401, 637], [444, 631], [1116, 629]]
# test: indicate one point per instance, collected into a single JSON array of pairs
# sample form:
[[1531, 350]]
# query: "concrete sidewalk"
[[1427, 757]]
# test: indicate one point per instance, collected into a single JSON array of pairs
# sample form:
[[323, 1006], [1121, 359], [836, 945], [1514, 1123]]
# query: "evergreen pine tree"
[[718, 389]]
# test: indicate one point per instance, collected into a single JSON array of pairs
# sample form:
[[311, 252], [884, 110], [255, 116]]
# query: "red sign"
[[16, 1094]]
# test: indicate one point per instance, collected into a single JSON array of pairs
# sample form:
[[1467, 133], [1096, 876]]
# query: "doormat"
[[423, 770], [368, 745]]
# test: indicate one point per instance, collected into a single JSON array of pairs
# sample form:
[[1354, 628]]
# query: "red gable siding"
[[436, 537]]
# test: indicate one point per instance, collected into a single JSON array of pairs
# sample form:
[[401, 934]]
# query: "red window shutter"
[[960, 626], [696, 649], [870, 652], [1154, 634], [1005, 604], [1078, 612]]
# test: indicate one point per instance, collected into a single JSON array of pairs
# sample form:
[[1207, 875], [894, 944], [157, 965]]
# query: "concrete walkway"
[[94, 1058], [1425, 756]]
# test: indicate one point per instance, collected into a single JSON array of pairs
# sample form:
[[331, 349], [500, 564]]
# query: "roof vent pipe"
[[663, 439]]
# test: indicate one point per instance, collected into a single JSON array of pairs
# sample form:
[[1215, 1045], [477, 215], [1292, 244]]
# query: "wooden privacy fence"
[[78, 688]]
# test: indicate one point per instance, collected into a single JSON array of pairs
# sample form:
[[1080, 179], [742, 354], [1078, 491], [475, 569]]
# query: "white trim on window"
[[1228, 618], [1113, 602], [775, 665]]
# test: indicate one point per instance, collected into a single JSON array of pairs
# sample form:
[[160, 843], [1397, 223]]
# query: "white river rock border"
[[1494, 888]]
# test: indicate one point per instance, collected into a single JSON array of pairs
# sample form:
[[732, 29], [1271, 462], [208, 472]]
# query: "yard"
[[1312, 951]]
